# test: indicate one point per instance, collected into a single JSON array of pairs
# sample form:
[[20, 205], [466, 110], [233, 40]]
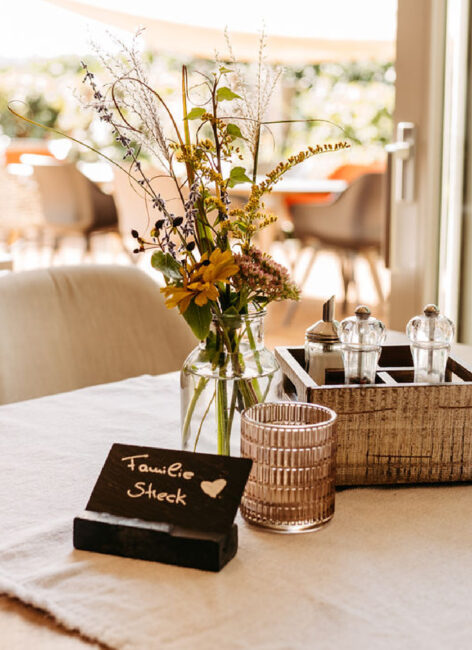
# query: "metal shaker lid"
[[362, 329], [430, 328], [325, 330]]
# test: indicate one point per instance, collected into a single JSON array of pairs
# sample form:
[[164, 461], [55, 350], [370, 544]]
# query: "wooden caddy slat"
[[393, 432]]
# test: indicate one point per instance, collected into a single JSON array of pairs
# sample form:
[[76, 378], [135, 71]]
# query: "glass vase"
[[227, 372]]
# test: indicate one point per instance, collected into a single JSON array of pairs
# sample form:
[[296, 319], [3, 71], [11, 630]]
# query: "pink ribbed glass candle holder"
[[291, 487]]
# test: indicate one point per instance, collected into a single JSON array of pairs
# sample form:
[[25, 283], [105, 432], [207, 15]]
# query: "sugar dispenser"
[[322, 346]]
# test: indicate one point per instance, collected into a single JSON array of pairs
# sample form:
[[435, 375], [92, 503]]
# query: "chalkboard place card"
[[165, 505]]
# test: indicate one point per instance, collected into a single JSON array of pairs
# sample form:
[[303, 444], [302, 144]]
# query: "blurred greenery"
[[359, 96], [34, 107]]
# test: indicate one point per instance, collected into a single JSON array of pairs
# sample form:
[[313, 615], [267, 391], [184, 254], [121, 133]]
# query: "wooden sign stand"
[[165, 506], [143, 540]]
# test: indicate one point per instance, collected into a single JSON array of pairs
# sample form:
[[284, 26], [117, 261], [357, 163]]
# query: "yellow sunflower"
[[177, 296], [200, 281], [221, 267]]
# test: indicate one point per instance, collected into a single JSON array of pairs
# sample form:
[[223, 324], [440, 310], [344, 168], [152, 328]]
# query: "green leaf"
[[195, 113], [226, 94], [167, 265], [224, 70], [237, 176], [211, 351], [242, 226], [234, 130], [231, 311], [235, 320], [199, 319]]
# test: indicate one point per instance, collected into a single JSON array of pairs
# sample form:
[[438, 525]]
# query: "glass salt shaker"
[[322, 346], [361, 338], [430, 337]]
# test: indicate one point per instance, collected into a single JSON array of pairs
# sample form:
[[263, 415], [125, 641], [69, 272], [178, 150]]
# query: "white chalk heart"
[[213, 488]]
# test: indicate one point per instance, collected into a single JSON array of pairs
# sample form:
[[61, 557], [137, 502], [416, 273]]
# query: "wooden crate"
[[394, 431]]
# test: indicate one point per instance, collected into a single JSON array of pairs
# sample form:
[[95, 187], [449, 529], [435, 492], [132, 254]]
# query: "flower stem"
[[232, 407], [197, 438], [222, 416], [256, 153], [252, 343], [203, 381], [266, 392], [248, 392]]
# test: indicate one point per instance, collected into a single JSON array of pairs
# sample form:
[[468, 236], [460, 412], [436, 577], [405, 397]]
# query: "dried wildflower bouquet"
[[214, 273]]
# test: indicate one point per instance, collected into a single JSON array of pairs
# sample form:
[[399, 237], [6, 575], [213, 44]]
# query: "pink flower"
[[264, 277]]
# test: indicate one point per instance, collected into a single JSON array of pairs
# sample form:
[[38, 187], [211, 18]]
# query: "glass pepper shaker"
[[361, 338], [430, 337], [322, 346]]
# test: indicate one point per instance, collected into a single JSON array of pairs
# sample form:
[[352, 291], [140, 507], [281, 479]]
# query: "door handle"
[[403, 152], [400, 185]]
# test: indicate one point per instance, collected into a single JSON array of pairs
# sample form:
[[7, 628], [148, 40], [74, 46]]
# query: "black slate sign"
[[200, 492]]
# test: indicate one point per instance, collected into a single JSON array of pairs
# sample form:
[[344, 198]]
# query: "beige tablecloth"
[[393, 569]]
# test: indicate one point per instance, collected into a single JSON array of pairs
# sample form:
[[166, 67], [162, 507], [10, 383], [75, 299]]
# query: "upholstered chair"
[[352, 224], [64, 328]]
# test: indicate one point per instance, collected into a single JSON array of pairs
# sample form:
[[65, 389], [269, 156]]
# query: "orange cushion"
[[348, 173], [13, 155]]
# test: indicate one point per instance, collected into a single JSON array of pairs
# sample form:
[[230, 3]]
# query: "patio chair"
[[352, 224], [64, 328], [72, 204], [348, 172]]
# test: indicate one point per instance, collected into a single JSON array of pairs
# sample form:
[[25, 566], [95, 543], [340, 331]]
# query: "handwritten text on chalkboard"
[[175, 470], [198, 491]]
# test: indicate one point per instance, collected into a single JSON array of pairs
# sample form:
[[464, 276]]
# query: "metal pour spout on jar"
[[322, 346]]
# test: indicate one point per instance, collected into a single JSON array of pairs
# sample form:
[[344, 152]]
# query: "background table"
[[393, 569], [298, 185], [276, 203]]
